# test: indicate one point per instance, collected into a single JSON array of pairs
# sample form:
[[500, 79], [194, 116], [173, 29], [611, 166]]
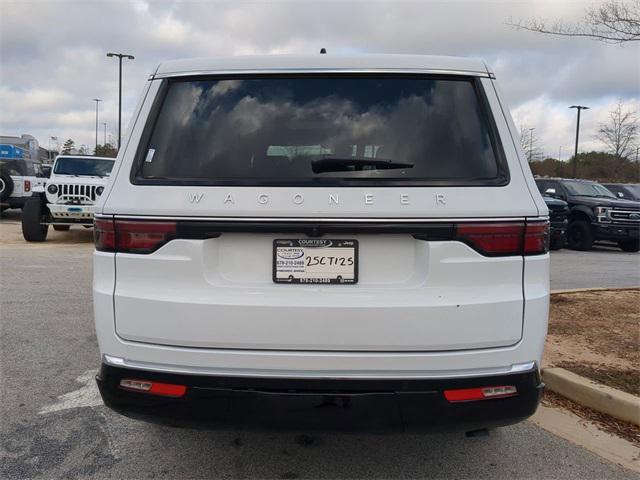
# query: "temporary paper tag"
[[150, 155]]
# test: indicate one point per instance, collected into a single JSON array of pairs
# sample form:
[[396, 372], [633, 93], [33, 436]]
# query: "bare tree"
[[614, 21], [530, 144], [621, 132]]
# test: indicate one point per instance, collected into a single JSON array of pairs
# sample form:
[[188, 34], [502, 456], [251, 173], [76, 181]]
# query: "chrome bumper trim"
[[480, 372]]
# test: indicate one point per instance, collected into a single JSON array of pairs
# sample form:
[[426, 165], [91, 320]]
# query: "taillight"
[[142, 237], [104, 235], [154, 388], [493, 239], [131, 236], [27, 186], [509, 238], [536, 238], [482, 393]]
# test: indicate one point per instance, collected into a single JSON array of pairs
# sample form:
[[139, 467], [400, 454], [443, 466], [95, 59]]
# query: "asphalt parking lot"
[[54, 425], [603, 266]]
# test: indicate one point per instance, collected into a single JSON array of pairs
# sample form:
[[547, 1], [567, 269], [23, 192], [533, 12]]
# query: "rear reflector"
[[482, 393], [154, 388]]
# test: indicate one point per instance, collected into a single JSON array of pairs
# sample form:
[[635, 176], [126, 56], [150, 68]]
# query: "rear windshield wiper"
[[343, 164]]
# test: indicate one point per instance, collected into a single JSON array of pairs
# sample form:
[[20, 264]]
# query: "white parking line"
[[86, 396]]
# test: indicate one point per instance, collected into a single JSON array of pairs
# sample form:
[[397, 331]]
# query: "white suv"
[[357, 233]]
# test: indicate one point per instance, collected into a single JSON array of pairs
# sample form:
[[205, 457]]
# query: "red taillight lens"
[[142, 237], [482, 393], [131, 236], [104, 235], [501, 239], [154, 388], [493, 239], [27, 186], [536, 238]]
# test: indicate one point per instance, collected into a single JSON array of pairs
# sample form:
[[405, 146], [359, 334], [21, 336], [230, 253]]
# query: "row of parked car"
[[583, 212]]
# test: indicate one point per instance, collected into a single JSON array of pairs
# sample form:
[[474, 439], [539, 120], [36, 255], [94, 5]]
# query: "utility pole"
[[575, 156], [120, 57], [97, 100], [104, 139], [559, 163]]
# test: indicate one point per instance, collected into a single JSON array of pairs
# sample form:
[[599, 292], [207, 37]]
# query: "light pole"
[[531, 144], [104, 139], [97, 100], [120, 57], [575, 156]]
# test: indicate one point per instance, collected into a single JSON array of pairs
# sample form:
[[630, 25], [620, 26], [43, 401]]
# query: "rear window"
[[329, 130]]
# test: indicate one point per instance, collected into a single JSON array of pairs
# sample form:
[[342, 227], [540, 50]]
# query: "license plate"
[[316, 261]]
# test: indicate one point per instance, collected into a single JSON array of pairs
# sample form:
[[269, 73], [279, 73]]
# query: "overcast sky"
[[53, 55]]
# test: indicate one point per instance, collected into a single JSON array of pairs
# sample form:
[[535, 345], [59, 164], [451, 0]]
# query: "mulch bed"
[[627, 380], [605, 422]]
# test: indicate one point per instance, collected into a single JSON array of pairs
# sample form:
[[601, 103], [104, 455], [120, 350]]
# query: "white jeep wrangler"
[[18, 178], [67, 198]]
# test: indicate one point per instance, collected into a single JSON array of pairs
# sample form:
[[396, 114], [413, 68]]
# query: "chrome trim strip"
[[320, 70], [324, 219], [156, 367]]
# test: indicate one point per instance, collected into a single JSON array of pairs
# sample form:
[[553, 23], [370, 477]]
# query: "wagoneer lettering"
[[358, 232]]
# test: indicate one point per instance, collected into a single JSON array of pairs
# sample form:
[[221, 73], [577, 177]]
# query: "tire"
[[556, 244], [579, 235], [6, 186], [32, 215], [629, 245], [61, 228]]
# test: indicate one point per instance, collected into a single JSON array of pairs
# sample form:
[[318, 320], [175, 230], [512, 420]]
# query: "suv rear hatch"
[[405, 173]]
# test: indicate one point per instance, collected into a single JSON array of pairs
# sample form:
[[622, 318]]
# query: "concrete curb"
[[616, 403], [593, 289]]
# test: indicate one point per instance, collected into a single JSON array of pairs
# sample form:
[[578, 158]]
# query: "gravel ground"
[[53, 424]]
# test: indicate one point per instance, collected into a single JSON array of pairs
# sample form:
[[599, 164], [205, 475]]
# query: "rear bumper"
[[324, 404]]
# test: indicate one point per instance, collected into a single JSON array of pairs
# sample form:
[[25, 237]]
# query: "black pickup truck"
[[595, 214], [558, 221]]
